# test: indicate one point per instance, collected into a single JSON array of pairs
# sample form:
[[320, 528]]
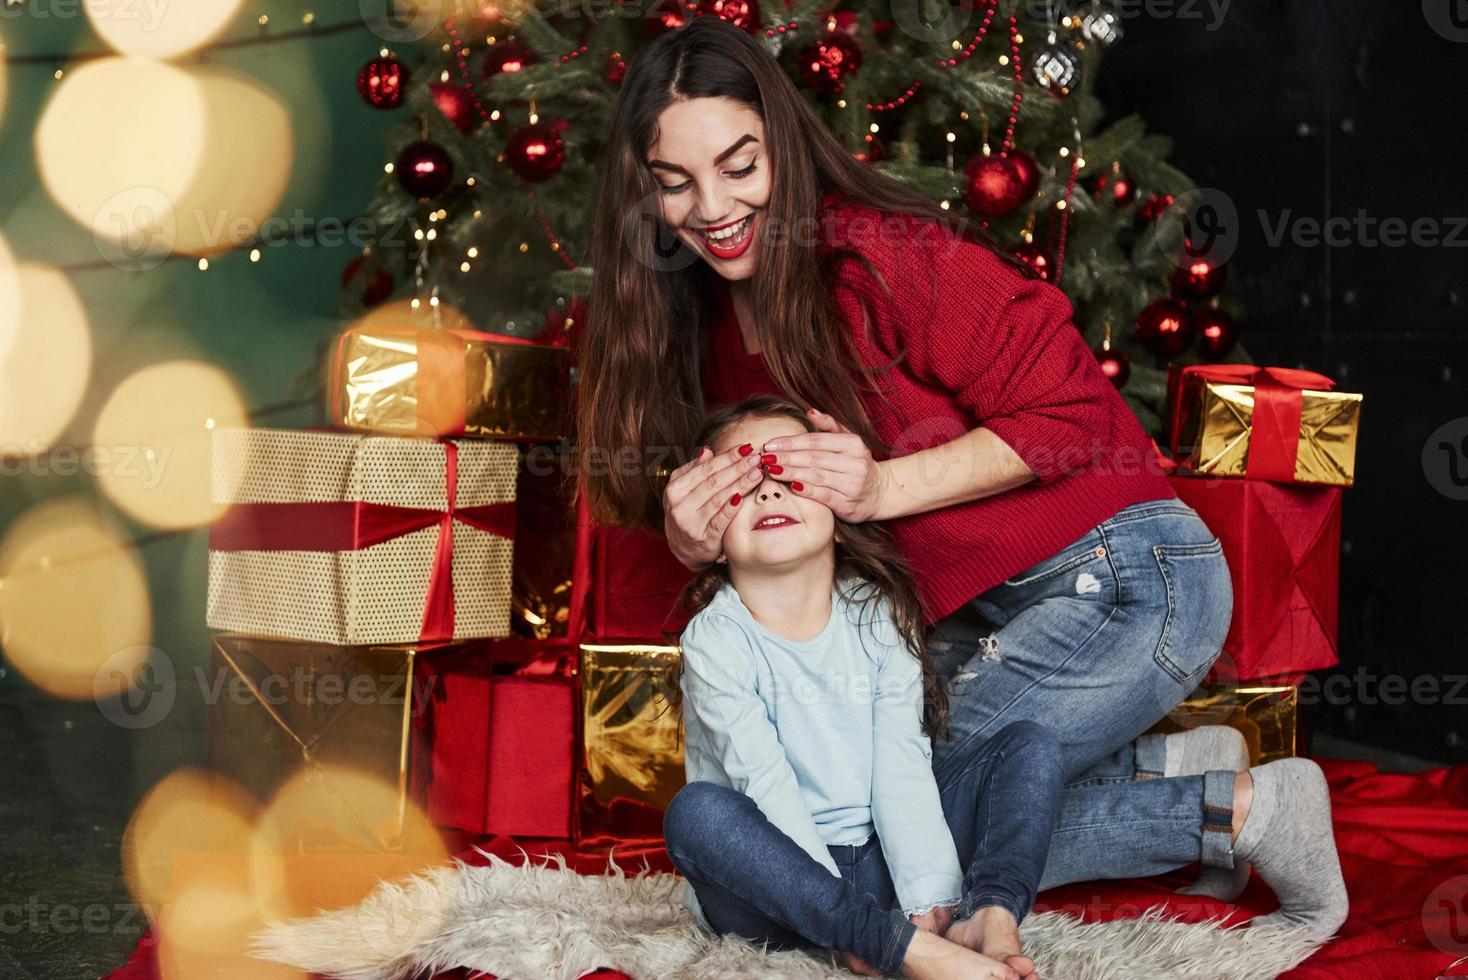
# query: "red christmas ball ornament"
[[564, 325], [383, 82], [666, 16], [873, 149], [1165, 327], [1217, 333], [1028, 170], [1199, 277], [424, 169], [455, 104], [999, 183], [616, 69], [1115, 186], [743, 14], [375, 287], [825, 65], [1114, 364], [508, 55], [535, 151], [1037, 259], [1154, 207]]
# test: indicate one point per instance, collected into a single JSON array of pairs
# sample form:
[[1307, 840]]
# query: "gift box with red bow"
[[1265, 423], [500, 727], [354, 539]]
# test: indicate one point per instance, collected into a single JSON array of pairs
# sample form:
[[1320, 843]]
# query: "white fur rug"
[[544, 922]]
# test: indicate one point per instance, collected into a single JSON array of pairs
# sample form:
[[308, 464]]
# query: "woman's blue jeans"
[[1097, 643], [751, 879]]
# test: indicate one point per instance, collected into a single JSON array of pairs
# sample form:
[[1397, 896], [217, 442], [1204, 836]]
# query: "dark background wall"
[[1348, 109]]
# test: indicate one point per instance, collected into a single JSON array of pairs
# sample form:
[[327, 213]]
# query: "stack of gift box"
[[1262, 454], [375, 595]]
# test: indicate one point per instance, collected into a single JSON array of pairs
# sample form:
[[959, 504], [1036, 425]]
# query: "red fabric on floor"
[[1403, 842]]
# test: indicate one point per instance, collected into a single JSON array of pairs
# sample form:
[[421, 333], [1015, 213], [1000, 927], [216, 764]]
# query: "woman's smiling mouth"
[[729, 241], [773, 521]]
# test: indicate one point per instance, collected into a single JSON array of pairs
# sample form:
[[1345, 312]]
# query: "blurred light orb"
[[359, 819], [73, 598], [47, 361], [156, 159], [190, 811], [155, 430], [159, 30], [9, 296]]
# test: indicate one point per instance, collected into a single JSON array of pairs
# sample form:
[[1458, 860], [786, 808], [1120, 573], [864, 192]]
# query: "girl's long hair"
[[640, 390], [869, 573]]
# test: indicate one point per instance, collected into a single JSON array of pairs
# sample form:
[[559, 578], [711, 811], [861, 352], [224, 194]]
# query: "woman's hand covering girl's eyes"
[[701, 499], [832, 465]]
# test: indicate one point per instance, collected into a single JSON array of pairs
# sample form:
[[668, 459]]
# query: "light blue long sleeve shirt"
[[825, 735]]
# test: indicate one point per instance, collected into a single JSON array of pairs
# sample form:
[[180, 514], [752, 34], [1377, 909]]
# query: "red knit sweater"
[[980, 345]]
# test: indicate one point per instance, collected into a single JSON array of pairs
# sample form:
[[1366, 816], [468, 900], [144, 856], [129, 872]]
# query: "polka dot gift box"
[[350, 538]]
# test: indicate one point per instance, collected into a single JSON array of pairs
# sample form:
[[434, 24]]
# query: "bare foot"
[[931, 957], [994, 932]]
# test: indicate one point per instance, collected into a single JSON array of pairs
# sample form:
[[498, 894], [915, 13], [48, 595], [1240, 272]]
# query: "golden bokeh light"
[[185, 857], [9, 295], [159, 30], [361, 822], [190, 811], [74, 609], [154, 158], [161, 419], [44, 373]]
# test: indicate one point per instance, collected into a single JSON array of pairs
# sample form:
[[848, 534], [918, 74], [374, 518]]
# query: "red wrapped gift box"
[[502, 740], [627, 583], [1282, 544]]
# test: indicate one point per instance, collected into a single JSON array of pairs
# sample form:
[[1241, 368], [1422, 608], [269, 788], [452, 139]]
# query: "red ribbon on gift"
[[351, 525], [1274, 437]]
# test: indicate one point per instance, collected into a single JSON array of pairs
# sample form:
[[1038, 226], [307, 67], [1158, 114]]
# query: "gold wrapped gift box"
[[632, 742], [281, 707], [1214, 431], [1265, 715], [417, 381]]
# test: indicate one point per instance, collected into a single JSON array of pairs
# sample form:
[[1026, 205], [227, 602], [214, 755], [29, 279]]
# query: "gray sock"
[[1193, 753], [1288, 837]]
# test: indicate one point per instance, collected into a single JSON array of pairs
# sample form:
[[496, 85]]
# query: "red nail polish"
[[775, 469], [767, 458], [734, 500], [746, 449], [798, 486]]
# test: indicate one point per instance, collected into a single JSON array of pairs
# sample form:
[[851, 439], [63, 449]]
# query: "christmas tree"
[[486, 202]]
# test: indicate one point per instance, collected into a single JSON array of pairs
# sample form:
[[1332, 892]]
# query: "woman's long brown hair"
[[640, 393], [869, 572]]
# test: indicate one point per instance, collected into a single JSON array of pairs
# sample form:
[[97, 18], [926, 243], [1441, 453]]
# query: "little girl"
[[811, 815]]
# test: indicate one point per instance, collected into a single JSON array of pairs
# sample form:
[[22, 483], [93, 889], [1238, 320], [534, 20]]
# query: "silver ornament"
[[1057, 68], [1101, 27]]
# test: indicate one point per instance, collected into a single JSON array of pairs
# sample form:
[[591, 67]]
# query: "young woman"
[[739, 248], [811, 815]]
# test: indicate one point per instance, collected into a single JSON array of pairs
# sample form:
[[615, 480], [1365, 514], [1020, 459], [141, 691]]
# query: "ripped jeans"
[[1098, 643]]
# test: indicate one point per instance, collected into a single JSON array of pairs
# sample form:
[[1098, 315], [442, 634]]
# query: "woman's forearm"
[[976, 464]]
